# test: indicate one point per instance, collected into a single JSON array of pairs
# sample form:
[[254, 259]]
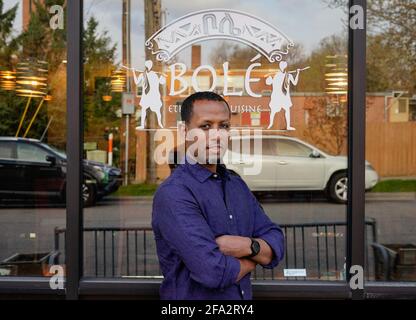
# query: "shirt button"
[[231, 216], [242, 292], [215, 175]]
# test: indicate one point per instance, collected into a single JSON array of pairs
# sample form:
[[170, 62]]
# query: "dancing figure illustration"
[[280, 97], [151, 97]]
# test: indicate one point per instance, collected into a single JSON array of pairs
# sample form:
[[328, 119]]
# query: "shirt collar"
[[201, 173], [222, 171]]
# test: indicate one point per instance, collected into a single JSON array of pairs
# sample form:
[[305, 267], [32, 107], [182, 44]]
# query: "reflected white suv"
[[289, 164]]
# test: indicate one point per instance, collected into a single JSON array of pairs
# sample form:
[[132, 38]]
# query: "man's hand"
[[235, 246], [246, 266], [239, 247]]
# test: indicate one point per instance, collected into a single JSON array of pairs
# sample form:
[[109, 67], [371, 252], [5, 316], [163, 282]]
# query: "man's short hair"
[[188, 103]]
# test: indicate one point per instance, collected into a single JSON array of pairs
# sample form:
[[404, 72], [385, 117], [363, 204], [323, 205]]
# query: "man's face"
[[207, 132]]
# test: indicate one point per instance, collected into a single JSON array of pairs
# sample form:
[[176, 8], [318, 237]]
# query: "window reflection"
[[33, 123], [302, 180]]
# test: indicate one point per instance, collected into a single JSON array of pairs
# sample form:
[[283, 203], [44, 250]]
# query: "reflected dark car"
[[31, 169]]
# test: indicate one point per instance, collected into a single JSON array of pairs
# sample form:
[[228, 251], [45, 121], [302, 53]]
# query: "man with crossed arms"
[[210, 230]]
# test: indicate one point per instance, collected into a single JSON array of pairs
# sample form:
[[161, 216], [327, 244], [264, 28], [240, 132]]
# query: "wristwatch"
[[255, 248]]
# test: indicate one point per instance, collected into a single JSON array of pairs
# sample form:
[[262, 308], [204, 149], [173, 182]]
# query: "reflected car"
[[290, 164], [31, 169]]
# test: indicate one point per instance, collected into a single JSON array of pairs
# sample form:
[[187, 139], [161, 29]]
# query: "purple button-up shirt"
[[191, 208]]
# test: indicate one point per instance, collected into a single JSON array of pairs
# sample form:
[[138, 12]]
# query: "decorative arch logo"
[[217, 24]]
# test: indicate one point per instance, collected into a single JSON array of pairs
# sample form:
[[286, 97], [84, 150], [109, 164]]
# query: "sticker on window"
[[294, 272]]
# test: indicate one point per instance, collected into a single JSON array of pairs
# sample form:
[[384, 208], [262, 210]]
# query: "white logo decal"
[[280, 97], [217, 24], [151, 97]]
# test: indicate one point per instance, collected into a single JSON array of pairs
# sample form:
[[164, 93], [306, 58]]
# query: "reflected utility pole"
[[126, 52], [152, 23]]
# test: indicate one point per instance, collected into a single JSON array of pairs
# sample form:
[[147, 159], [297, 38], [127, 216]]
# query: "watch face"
[[255, 247]]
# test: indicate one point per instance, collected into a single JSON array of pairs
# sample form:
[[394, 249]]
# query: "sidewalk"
[[390, 196], [398, 178]]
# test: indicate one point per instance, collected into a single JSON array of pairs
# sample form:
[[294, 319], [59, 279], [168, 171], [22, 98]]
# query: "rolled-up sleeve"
[[270, 232], [182, 225]]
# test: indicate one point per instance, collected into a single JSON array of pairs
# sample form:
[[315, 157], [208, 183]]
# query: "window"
[[234, 84], [122, 245], [412, 110], [289, 148], [7, 150], [251, 146], [33, 62], [121, 170], [29, 152], [390, 172], [403, 105]]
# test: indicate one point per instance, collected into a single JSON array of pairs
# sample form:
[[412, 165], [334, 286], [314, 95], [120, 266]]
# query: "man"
[[210, 231]]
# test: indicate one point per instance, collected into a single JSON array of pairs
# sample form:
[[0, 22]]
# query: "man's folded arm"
[[182, 225], [270, 232]]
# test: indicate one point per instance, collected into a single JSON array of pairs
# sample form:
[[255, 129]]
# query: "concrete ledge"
[[369, 196]]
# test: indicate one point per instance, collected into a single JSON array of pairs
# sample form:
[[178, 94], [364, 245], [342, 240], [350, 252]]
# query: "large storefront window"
[[32, 139], [391, 145], [290, 72], [286, 84]]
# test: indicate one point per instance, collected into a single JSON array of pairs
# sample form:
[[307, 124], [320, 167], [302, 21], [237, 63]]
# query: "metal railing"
[[319, 248]]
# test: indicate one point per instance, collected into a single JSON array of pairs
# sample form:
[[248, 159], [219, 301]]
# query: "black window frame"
[[79, 287]]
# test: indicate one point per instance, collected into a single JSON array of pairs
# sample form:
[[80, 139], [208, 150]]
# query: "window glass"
[[33, 115], [278, 80], [390, 144], [268, 146], [29, 152], [292, 149], [251, 146], [6, 150]]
